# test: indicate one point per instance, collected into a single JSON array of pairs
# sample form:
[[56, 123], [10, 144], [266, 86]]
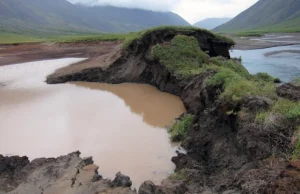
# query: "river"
[[282, 62]]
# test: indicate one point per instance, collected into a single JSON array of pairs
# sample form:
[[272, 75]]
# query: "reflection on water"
[[157, 108], [121, 126], [285, 66]]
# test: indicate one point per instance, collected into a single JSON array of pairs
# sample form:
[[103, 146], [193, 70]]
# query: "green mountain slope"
[[211, 23], [42, 17], [266, 15]]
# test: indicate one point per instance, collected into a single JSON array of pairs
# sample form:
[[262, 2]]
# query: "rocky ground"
[[227, 150]]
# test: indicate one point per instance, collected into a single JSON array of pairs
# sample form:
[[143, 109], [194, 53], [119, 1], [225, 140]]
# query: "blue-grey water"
[[285, 65]]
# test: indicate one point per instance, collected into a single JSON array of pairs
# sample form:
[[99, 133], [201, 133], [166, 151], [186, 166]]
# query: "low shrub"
[[182, 56]]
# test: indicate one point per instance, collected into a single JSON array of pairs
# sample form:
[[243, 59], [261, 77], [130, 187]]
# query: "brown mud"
[[226, 153], [21, 53]]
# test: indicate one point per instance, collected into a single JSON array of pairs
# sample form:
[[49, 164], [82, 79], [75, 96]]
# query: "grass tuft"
[[180, 129], [181, 175], [289, 110], [264, 77], [237, 83]]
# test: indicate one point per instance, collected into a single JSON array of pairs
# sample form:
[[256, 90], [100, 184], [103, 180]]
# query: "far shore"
[[267, 41]]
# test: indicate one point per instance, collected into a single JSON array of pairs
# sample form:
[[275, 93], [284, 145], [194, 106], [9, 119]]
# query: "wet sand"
[[122, 126], [281, 51], [267, 41]]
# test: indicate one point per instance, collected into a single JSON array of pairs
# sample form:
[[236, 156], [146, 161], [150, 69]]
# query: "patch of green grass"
[[237, 83], [230, 64], [11, 38], [297, 81], [181, 175], [182, 56], [263, 77], [288, 109], [249, 34], [180, 129]]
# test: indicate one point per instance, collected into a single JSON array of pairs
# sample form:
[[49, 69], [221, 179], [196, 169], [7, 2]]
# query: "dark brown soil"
[[290, 91]]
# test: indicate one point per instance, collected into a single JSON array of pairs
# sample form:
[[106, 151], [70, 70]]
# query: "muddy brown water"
[[121, 126]]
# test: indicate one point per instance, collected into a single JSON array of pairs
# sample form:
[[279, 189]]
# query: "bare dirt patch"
[[21, 53]]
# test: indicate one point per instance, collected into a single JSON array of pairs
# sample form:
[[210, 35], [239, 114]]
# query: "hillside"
[[266, 15], [211, 23], [42, 17]]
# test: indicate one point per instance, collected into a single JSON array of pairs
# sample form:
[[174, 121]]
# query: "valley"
[[125, 97]]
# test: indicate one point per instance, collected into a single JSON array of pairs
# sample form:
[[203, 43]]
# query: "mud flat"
[[266, 41], [21, 53]]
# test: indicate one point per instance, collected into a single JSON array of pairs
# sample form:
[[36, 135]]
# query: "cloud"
[[191, 10], [155, 5], [196, 10]]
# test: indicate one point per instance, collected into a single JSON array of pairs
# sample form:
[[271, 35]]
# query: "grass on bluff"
[[139, 35], [181, 175], [237, 83], [182, 56]]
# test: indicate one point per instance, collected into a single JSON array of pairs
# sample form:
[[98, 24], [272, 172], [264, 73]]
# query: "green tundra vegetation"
[[183, 57]]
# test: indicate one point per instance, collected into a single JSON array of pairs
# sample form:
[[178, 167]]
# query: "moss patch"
[[180, 129], [182, 56]]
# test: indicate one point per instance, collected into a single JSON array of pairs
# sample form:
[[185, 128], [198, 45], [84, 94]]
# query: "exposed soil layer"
[[226, 153]]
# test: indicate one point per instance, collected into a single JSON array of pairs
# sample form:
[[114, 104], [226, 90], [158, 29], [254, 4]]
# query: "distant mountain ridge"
[[266, 15], [63, 17], [211, 23]]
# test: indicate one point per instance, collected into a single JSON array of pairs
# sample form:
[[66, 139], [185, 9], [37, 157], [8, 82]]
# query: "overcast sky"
[[191, 10]]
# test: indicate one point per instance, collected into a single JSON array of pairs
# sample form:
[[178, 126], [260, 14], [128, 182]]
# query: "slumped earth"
[[121, 126]]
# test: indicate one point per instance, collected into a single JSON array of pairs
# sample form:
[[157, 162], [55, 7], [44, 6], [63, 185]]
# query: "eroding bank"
[[242, 134]]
